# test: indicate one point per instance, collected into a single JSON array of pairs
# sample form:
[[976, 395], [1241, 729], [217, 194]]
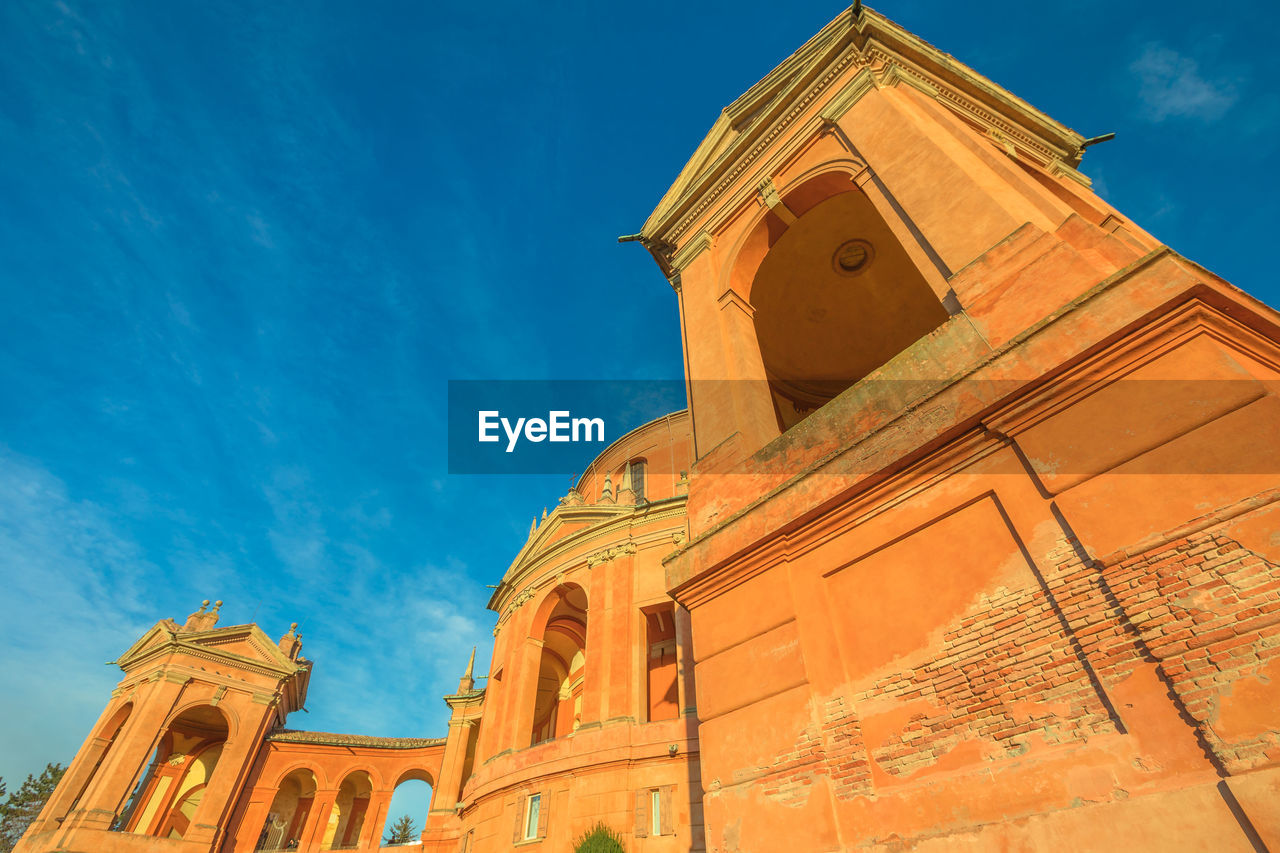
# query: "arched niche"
[[562, 626]]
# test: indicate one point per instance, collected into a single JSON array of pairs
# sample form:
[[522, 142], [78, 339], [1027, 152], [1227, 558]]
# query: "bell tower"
[[174, 745], [965, 440], [870, 208]]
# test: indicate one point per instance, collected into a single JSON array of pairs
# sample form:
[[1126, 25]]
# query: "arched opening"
[[835, 297], [406, 814], [101, 748], [171, 791], [635, 472], [346, 819], [289, 811], [557, 705]]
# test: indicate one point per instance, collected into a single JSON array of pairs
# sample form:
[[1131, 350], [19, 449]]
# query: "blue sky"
[[243, 247]]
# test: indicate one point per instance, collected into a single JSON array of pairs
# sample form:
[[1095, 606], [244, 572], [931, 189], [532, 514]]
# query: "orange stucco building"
[[967, 541]]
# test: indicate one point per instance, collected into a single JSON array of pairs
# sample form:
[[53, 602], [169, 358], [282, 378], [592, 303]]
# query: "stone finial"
[[533, 527], [203, 619], [606, 495], [626, 491], [291, 643], [544, 513], [468, 681]]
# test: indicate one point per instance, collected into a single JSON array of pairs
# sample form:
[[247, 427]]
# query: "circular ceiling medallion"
[[853, 257]]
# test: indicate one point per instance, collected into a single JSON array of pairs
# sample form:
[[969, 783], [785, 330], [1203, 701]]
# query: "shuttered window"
[[654, 811], [531, 820], [533, 813]]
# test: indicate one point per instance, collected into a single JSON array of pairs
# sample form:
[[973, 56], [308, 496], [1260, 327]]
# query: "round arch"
[[350, 809], [171, 792], [560, 625], [418, 774], [409, 806], [290, 809], [835, 292], [800, 196], [229, 717], [572, 594], [322, 781]]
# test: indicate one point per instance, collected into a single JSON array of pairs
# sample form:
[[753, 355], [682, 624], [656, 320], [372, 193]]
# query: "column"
[[318, 820], [374, 818], [238, 753], [125, 764]]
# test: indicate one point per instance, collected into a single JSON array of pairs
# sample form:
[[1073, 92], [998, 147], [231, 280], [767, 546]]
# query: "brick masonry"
[[1039, 661]]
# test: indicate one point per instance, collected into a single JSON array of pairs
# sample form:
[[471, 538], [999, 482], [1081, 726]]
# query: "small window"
[[654, 814], [532, 812], [637, 479]]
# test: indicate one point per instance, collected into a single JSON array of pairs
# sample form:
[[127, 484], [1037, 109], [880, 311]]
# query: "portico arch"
[[350, 808], [169, 794], [290, 808]]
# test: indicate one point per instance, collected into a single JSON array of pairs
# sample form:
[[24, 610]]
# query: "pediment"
[[760, 118], [566, 521], [234, 644], [558, 530]]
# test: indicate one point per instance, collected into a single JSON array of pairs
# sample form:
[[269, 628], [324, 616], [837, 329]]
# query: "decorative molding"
[[731, 297], [769, 195], [894, 74], [862, 83], [608, 554], [689, 251], [1059, 169]]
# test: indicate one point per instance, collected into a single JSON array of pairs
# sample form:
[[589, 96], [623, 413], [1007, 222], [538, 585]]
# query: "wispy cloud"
[[74, 587], [1171, 85]]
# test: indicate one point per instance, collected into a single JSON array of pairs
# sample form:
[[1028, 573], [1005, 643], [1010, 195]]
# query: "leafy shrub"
[[599, 839]]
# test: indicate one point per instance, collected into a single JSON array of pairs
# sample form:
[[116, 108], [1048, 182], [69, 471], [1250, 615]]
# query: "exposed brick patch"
[[1007, 668], [1208, 609], [847, 764], [832, 748], [790, 777], [1039, 659]]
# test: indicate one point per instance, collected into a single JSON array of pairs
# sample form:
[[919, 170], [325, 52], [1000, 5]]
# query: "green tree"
[[599, 839], [23, 806], [402, 831]]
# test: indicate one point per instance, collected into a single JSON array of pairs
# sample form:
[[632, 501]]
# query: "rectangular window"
[[661, 669], [532, 812], [655, 813]]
